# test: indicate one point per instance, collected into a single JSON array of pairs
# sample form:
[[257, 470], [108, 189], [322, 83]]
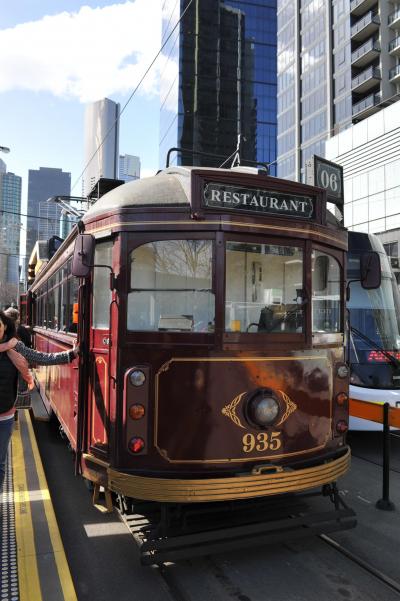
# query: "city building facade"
[[10, 226], [218, 82], [44, 217], [101, 139], [338, 63], [129, 167], [369, 152]]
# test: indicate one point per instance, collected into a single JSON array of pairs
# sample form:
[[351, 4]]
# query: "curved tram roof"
[[170, 187]]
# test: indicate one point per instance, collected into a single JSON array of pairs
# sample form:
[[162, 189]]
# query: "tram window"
[[325, 293], [264, 288], [63, 298], [101, 285], [40, 303], [72, 319], [171, 287], [50, 303]]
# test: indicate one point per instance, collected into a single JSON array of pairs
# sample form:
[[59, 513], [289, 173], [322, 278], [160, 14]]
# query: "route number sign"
[[327, 175]]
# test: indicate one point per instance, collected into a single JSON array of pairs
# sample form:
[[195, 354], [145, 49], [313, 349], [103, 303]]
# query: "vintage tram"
[[209, 308]]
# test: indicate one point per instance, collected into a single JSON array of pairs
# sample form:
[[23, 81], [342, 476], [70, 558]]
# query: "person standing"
[[14, 363], [22, 332]]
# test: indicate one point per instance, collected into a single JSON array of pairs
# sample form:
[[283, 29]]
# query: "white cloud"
[[88, 55]]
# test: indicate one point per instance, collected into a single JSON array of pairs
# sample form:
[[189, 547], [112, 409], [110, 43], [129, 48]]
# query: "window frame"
[[134, 241], [266, 338], [340, 256]]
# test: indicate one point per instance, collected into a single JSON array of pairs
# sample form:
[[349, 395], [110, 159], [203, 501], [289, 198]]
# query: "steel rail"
[[393, 584]]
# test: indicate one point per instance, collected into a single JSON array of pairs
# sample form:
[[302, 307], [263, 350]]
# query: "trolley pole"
[[385, 503]]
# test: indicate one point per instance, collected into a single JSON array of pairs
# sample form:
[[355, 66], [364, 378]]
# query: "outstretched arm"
[[40, 358]]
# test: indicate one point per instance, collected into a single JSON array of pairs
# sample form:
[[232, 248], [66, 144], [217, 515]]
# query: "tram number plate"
[[263, 441]]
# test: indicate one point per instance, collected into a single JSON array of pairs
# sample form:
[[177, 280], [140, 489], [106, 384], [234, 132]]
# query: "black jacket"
[[8, 383]]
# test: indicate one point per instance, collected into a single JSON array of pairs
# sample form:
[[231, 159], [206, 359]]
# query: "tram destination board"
[[256, 200], [326, 175]]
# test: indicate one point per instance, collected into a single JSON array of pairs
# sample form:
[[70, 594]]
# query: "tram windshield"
[[171, 287], [375, 329], [264, 288]]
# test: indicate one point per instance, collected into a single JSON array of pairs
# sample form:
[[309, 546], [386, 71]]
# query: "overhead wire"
[[55, 219]]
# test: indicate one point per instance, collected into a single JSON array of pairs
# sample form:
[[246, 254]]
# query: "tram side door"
[[99, 368]]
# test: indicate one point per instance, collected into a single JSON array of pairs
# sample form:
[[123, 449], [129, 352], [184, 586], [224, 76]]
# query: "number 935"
[[263, 441]]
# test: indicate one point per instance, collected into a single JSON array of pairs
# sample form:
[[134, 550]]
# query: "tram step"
[[38, 408]]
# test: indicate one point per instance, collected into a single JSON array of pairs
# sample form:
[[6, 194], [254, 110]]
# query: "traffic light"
[[31, 274]]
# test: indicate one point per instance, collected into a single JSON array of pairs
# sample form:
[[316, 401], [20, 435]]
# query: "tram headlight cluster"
[[263, 409], [136, 399]]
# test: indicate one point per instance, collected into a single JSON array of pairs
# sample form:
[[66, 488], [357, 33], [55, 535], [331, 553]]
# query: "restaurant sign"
[[236, 198]]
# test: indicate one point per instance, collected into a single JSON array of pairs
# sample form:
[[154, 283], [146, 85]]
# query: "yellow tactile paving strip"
[[43, 571]]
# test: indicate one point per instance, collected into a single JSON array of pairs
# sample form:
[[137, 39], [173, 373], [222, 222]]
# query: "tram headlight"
[[136, 411], [342, 426], [263, 410], [137, 377], [136, 444], [342, 398], [342, 371]]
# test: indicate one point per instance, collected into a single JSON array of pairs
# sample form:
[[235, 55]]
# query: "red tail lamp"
[[136, 411], [342, 398], [136, 444], [342, 426]]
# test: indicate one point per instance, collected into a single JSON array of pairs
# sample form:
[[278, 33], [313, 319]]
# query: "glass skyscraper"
[[338, 63], [218, 83], [10, 226], [44, 217]]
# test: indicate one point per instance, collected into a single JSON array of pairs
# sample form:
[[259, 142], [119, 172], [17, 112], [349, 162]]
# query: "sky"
[[58, 55]]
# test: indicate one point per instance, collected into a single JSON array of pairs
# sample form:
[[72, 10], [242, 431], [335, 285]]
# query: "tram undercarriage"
[[172, 532]]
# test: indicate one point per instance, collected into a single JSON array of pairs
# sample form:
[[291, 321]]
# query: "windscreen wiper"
[[395, 362]]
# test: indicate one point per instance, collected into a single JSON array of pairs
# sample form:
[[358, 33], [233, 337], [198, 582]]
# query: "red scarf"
[[19, 361]]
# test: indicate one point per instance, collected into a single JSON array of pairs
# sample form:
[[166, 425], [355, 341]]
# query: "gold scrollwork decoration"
[[230, 410], [290, 407]]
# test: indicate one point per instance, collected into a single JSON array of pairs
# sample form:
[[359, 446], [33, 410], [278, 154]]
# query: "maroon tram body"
[[212, 335]]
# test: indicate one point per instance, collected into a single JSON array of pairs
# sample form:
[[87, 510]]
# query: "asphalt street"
[[104, 558]]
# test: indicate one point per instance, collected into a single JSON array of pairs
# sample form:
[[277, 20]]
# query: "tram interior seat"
[[277, 317]]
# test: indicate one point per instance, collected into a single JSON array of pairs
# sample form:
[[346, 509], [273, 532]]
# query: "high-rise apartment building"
[[218, 83], [338, 63], [43, 216], [129, 167], [10, 225], [101, 142]]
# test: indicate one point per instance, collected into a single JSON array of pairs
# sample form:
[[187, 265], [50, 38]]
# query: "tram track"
[[378, 574], [377, 463]]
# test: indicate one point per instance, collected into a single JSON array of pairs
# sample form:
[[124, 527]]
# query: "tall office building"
[[218, 83], [129, 167], [44, 217], [10, 225], [101, 142], [338, 63]]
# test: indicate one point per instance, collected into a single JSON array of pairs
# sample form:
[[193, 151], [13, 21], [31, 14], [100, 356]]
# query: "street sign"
[[327, 175]]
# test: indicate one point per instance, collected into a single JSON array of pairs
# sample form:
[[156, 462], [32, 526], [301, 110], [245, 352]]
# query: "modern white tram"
[[373, 344]]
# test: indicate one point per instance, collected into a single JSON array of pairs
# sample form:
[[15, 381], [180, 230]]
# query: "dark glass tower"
[[218, 82], [44, 220]]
